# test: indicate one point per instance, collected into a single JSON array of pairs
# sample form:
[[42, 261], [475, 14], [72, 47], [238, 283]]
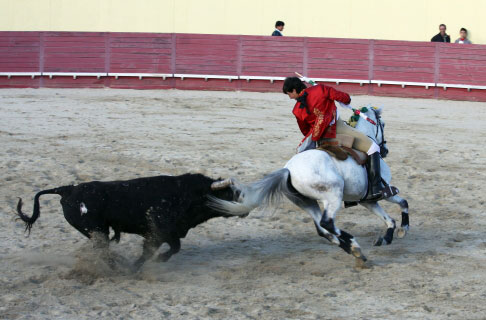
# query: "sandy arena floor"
[[270, 265]]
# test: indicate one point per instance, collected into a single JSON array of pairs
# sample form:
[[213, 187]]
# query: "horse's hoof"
[[402, 232], [378, 242], [360, 264], [356, 252]]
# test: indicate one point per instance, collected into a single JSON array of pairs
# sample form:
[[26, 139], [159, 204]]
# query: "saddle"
[[341, 148]]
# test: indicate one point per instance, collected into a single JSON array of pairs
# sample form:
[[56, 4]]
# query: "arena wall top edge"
[[234, 62], [412, 20]]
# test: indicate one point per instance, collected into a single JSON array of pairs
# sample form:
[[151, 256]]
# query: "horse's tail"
[[267, 191], [29, 221]]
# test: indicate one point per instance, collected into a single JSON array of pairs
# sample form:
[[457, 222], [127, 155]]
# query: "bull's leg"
[[389, 222], [402, 231], [100, 239], [175, 246], [150, 245], [116, 236]]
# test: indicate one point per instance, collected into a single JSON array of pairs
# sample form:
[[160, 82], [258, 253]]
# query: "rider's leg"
[[361, 141], [365, 144], [374, 174]]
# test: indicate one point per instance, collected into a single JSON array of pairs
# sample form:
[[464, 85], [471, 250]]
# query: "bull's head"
[[221, 184], [227, 183], [229, 191]]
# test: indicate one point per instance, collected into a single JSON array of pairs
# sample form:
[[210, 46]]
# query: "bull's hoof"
[[164, 257], [402, 231], [356, 252]]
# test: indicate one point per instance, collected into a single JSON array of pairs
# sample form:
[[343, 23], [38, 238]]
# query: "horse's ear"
[[378, 110]]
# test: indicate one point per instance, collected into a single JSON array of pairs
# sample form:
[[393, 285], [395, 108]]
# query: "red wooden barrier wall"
[[186, 58]]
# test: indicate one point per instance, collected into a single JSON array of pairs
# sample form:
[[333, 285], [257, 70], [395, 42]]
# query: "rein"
[[379, 127], [353, 120]]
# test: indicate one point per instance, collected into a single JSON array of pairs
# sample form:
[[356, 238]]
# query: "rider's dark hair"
[[292, 83], [464, 29], [279, 24]]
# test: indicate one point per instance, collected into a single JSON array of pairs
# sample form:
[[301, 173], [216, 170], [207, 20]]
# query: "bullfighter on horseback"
[[319, 122], [318, 182]]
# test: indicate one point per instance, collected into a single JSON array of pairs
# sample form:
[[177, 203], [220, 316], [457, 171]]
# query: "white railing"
[[230, 78]]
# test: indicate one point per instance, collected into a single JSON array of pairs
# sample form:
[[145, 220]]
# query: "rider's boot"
[[374, 174]]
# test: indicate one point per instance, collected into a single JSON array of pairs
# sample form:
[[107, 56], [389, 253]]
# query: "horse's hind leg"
[[312, 208], [405, 226], [346, 240], [324, 224], [390, 223]]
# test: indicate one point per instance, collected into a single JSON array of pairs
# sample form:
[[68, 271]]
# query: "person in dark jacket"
[[279, 26], [442, 36]]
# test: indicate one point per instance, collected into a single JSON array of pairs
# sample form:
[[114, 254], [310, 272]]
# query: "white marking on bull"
[[83, 209]]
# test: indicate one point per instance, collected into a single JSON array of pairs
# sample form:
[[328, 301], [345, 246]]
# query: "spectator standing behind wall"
[[442, 36], [463, 39], [279, 26]]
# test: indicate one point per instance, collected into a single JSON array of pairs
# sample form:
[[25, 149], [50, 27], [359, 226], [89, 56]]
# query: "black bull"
[[161, 209]]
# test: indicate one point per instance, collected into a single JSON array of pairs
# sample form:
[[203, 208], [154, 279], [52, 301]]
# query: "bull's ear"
[[221, 184]]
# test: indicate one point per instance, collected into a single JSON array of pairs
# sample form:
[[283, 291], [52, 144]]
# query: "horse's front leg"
[[389, 222], [405, 226]]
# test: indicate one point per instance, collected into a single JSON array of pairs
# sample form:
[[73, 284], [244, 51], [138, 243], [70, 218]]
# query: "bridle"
[[379, 127]]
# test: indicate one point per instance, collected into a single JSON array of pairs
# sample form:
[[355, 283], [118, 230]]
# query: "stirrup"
[[387, 192]]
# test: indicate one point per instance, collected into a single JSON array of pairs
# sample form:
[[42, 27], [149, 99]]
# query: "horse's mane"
[[353, 120]]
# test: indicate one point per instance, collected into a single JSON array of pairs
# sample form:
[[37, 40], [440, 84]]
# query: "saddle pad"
[[334, 151], [340, 147], [341, 153]]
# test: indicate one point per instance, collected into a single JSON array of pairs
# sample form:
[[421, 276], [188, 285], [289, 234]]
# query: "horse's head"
[[375, 132]]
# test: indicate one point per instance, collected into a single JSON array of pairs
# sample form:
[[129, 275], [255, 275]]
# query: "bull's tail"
[[265, 192], [29, 221]]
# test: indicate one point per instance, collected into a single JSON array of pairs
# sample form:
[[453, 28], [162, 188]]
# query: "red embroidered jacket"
[[320, 111]]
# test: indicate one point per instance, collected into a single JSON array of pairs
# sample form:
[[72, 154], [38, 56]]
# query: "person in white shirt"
[[463, 39]]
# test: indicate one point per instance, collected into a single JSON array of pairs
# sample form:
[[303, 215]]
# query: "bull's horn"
[[221, 184]]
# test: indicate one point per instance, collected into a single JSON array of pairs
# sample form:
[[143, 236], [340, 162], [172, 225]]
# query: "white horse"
[[312, 176]]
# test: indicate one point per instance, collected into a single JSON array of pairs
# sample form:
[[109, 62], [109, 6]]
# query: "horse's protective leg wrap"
[[324, 235], [345, 241], [405, 221], [328, 225], [389, 235]]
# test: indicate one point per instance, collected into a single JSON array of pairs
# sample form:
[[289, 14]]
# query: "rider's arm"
[[338, 95]]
